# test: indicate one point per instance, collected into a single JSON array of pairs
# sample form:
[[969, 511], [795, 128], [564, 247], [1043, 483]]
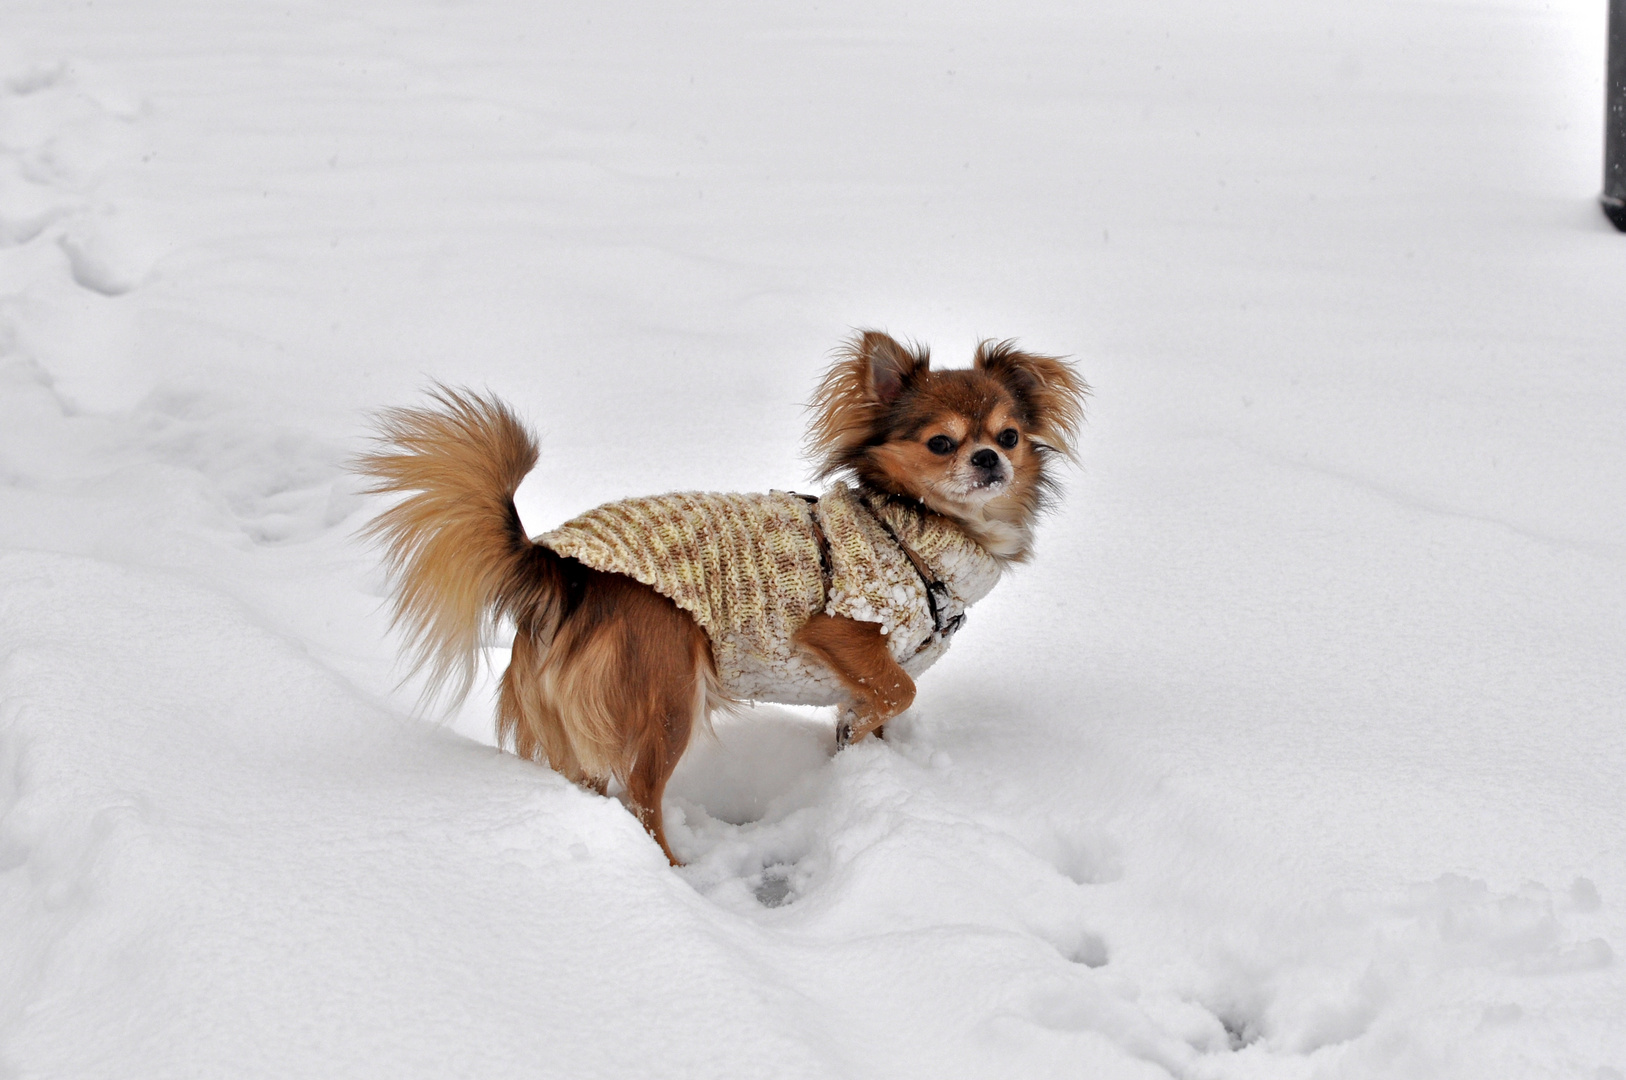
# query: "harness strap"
[[820, 541], [935, 589]]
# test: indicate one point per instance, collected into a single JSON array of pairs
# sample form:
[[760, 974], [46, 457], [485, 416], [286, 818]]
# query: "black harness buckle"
[[937, 594]]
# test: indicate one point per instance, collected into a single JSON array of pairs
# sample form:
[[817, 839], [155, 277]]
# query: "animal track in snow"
[[64, 127], [28, 209], [1090, 950], [744, 803], [96, 260], [773, 890], [1354, 972]]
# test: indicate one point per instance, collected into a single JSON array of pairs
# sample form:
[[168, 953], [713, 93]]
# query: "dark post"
[[1614, 138]]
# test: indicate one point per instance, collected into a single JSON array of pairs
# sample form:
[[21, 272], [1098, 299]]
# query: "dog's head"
[[974, 444]]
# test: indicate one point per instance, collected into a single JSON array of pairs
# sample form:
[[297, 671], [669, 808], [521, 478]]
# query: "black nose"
[[985, 459]]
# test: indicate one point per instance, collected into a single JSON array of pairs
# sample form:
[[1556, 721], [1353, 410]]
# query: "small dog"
[[634, 621]]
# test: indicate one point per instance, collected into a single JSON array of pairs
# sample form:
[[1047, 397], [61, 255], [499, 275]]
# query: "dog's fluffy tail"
[[458, 557]]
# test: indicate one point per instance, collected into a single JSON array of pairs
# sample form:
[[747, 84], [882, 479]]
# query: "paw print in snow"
[[64, 127]]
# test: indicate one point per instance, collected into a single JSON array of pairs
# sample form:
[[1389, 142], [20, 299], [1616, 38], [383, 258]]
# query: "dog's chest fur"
[[750, 571]]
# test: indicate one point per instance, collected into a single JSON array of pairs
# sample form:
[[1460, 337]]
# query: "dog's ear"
[[1047, 390], [869, 373], [889, 365]]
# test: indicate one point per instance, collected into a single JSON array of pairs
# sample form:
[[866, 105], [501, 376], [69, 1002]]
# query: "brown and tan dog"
[[636, 620]]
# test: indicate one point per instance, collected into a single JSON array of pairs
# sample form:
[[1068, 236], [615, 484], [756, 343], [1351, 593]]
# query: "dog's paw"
[[849, 728], [852, 727]]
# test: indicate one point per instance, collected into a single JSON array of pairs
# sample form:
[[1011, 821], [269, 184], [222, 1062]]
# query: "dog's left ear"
[[1047, 390]]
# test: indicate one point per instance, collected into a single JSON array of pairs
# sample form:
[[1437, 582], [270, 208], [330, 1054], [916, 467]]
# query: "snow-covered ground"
[[1297, 752]]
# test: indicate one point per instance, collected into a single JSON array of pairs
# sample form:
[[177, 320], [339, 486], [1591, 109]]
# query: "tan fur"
[[608, 678], [852, 398], [616, 694], [449, 545]]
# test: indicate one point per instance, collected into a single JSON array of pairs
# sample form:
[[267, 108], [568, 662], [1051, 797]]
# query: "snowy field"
[[1299, 751]]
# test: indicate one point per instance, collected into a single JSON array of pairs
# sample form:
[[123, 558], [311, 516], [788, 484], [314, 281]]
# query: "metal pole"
[[1614, 139]]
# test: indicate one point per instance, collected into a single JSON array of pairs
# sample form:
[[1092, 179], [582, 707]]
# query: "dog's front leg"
[[858, 655]]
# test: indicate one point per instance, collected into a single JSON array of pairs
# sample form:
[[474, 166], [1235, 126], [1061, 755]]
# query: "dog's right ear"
[[890, 366], [868, 374]]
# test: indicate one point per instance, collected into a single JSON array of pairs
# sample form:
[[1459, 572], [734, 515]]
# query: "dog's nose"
[[985, 459]]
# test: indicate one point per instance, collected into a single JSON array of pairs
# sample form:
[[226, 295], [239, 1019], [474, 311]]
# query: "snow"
[[1297, 751]]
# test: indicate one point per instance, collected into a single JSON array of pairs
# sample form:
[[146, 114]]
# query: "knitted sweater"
[[751, 572]]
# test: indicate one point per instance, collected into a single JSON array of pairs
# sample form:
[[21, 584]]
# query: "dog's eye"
[[1007, 438], [940, 444]]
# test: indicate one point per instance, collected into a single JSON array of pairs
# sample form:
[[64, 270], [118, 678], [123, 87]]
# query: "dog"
[[635, 621]]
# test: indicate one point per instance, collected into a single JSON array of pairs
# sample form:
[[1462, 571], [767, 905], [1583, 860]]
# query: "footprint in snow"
[[63, 126], [742, 806]]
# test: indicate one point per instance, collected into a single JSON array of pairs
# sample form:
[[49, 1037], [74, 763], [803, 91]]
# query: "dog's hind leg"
[[670, 679], [621, 686], [657, 757], [527, 719]]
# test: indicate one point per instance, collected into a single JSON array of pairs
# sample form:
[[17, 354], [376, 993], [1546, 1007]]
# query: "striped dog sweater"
[[751, 571]]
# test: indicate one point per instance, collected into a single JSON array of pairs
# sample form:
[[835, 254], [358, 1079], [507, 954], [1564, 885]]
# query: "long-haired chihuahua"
[[634, 621]]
